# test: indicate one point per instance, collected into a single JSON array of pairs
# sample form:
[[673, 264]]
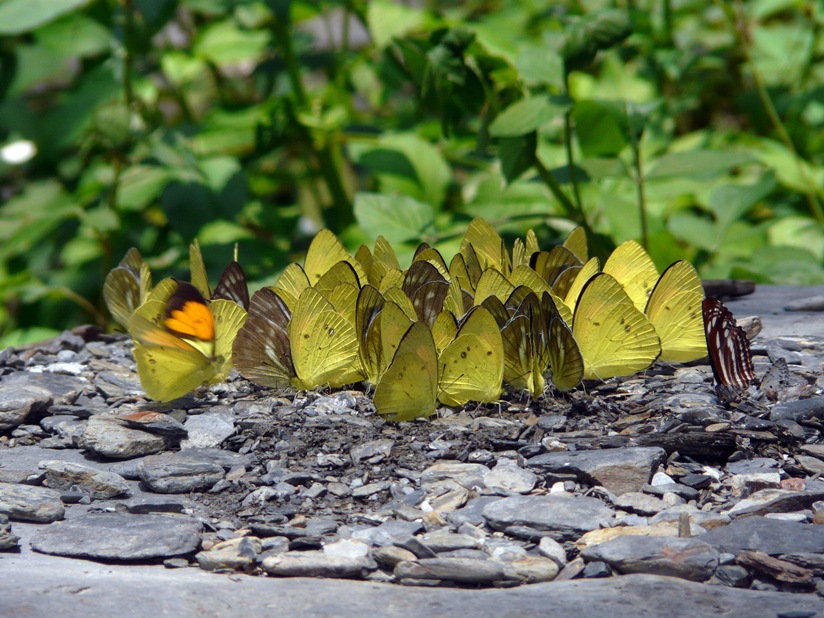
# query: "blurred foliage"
[[697, 127]]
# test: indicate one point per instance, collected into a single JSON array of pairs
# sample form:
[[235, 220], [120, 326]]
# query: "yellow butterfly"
[[376, 264], [586, 273], [633, 268], [408, 389], [184, 342], [614, 337], [314, 346], [674, 308], [380, 326], [427, 288], [487, 245], [127, 287], [577, 243], [472, 366]]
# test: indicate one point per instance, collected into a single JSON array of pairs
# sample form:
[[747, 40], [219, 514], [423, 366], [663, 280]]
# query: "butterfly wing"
[[614, 337], [472, 366], [633, 268], [198, 269], [674, 310], [323, 342], [728, 347], [565, 358], [261, 351], [408, 388], [232, 286], [169, 372]]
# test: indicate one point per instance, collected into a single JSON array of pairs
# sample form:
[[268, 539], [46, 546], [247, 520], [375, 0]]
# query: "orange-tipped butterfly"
[[184, 342]]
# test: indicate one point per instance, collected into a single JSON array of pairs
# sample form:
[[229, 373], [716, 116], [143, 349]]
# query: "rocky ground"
[[636, 497]]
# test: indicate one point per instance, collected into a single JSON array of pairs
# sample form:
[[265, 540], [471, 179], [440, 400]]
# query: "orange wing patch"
[[188, 314]]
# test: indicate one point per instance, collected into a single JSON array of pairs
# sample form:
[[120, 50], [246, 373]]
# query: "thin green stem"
[[324, 155], [128, 46], [641, 192], [570, 211], [573, 176], [813, 196]]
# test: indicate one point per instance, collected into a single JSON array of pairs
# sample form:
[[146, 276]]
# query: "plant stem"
[[813, 197], [570, 211], [639, 178], [573, 177], [341, 205]]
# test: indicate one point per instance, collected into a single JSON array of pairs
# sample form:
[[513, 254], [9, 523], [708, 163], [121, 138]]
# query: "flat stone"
[[315, 564], [553, 550], [95, 483], [18, 401], [775, 501], [372, 452], [30, 503], [687, 558], [810, 465], [390, 555], [510, 476], [442, 540], [464, 570], [466, 474], [177, 473], [346, 548], [105, 436], [637, 502], [63, 388], [8, 540], [388, 533], [119, 536], [560, 517], [771, 536], [742, 485], [531, 569], [619, 470], [232, 554], [799, 410], [208, 430]]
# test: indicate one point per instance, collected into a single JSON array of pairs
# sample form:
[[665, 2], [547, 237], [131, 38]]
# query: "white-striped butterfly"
[[729, 350]]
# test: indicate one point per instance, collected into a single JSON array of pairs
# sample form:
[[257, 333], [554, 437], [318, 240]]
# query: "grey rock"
[[118, 536], [388, 533], [315, 564], [560, 517], [637, 502], [144, 503], [345, 548], [232, 554], [390, 555], [466, 474], [771, 536], [775, 501], [509, 475], [618, 470], [472, 512], [30, 503], [18, 401], [370, 489], [464, 570], [594, 570], [799, 410], [742, 485], [107, 437], [687, 558], [731, 575], [8, 540], [95, 483], [208, 430], [64, 389], [372, 452], [177, 473], [661, 489], [531, 569], [442, 540], [553, 550]]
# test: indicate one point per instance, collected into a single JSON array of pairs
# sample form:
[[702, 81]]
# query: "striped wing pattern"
[[728, 347]]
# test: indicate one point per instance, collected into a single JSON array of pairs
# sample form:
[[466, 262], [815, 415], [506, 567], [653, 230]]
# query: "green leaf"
[[588, 35], [396, 218], [697, 231], [388, 19], [222, 232], [730, 202], [19, 16], [601, 128], [141, 185], [517, 154], [75, 35], [701, 164], [798, 232], [787, 266], [528, 115], [540, 64], [225, 44]]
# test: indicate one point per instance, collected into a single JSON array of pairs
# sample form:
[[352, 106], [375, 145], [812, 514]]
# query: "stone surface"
[[18, 401], [97, 484], [771, 536], [178, 473], [618, 470], [464, 570], [208, 430], [315, 564], [688, 558], [232, 554], [115, 536], [105, 436], [560, 517], [29, 503], [509, 475]]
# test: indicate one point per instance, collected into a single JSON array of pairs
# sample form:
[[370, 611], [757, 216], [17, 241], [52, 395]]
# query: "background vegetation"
[[696, 126]]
